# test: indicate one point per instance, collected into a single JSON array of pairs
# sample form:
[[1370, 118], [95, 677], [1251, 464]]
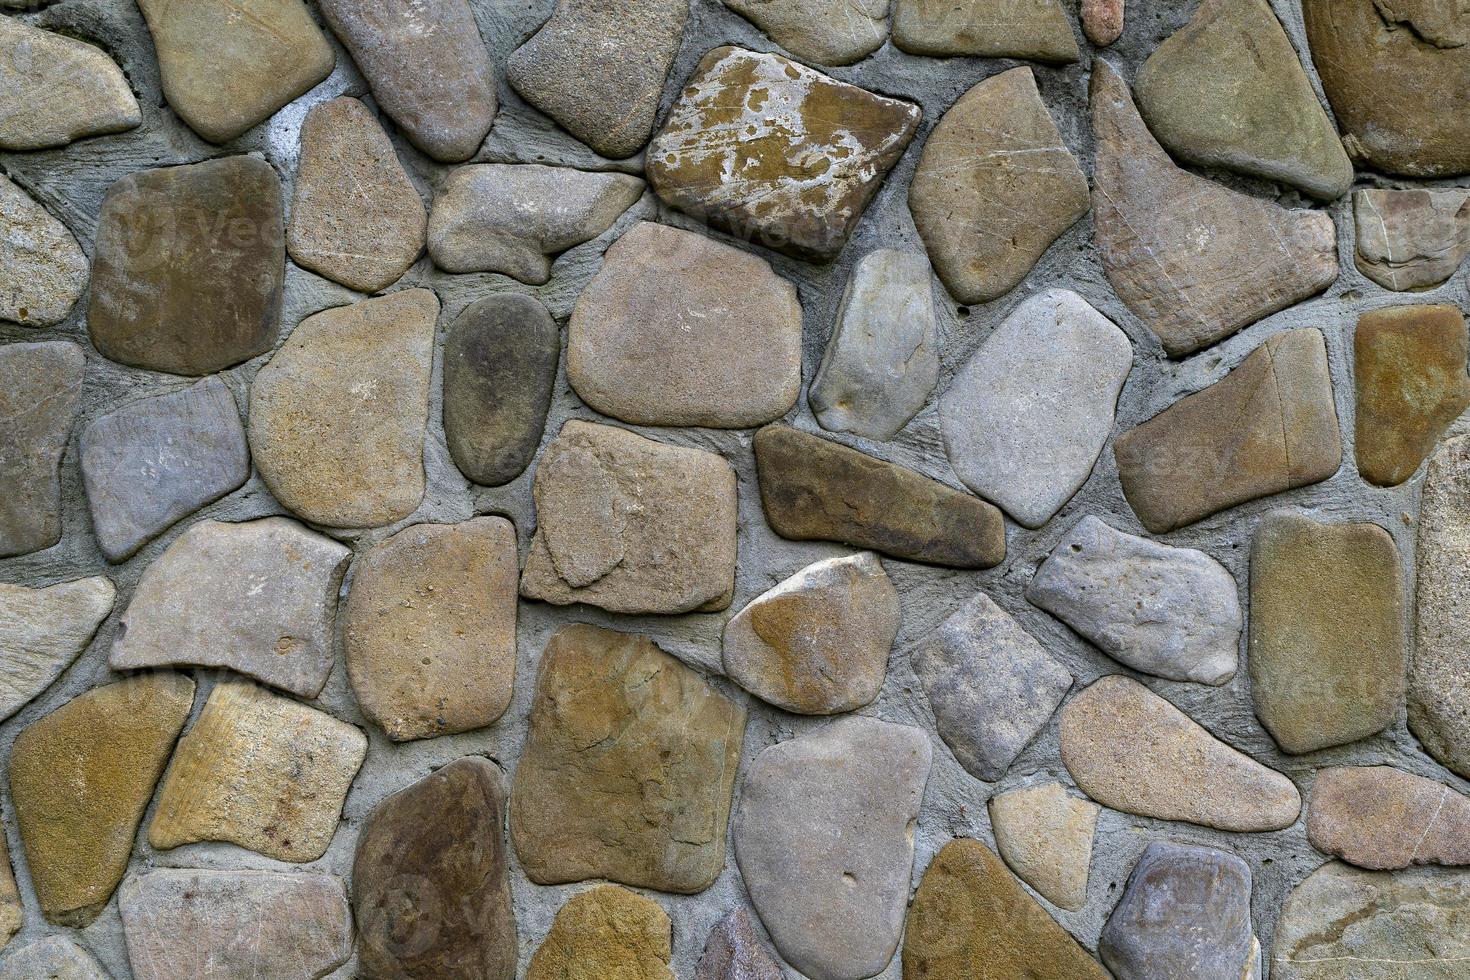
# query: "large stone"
[[337, 417], [1268, 426], [40, 395], [59, 89], [43, 270], [995, 187], [808, 158], [733, 952], [56, 958], [1410, 240], [1380, 818], [607, 933], [823, 32], [1045, 835], [1102, 20], [679, 329], [42, 631], [1194, 260], [631, 525], [1036, 29], [1131, 750], [614, 717]]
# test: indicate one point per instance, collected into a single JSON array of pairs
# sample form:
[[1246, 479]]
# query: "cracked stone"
[[1380, 818], [40, 396], [42, 631], [1411, 240], [823, 32], [1102, 20], [59, 89], [1045, 836], [1036, 29], [606, 933], [43, 270], [733, 952], [55, 958]]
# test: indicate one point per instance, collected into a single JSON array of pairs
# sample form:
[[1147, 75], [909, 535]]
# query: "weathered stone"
[[1131, 750], [42, 631], [259, 598], [631, 525], [1268, 426], [81, 778], [154, 462], [12, 911], [261, 771], [1410, 240], [189, 266], [1035, 29], [607, 933], [337, 417], [815, 489], [42, 268], [1193, 259], [1102, 21], [733, 952], [55, 958], [429, 629], [58, 90], [995, 187], [824, 838], [429, 881], [823, 32], [40, 393], [678, 329], [810, 153], [1383, 819], [1045, 836]]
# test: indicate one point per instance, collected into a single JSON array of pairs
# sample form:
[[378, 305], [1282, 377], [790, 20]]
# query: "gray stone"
[[1036, 29], [54, 958], [1045, 836], [1410, 240], [42, 631], [58, 89], [822, 32], [733, 952], [40, 393], [42, 268], [1380, 818]]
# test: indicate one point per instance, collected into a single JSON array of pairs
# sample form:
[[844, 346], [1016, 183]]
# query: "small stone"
[[337, 417], [1411, 240], [429, 629], [189, 266], [1036, 29], [1131, 750], [59, 90], [995, 187], [823, 32], [1102, 21], [429, 880], [55, 958], [607, 933], [515, 219], [733, 952], [631, 525], [111, 744], [1022, 427], [43, 270], [12, 911], [356, 218], [1268, 426], [259, 598], [261, 771], [1383, 819], [40, 395], [154, 462], [42, 631], [679, 329], [779, 183], [1045, 836], [824, 835], [613, 716], [814, 489], [882, 360]]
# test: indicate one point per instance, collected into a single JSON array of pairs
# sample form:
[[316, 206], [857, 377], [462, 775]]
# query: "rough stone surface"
[[733, 952], [1102, 20], [40, 396], [1380, 818], [1045, 836], [42, 631], [1036, 29], [1410, 240], [42, 269], [55, 958], [12, 910], [823, 32], [607, 933], [58, 90]]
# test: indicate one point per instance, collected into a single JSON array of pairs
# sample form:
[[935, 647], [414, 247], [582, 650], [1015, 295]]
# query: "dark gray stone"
[[40, 388]]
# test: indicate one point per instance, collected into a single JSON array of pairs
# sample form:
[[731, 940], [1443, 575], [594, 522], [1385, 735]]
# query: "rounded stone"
[[606, 933]]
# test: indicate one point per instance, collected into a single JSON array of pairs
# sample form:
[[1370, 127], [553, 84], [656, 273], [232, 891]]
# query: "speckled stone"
[[1410, 240], [42, 631], [1380, 818], [733, 952], [1035, 29], [606, 933], [40, 394], [1045, 836], [59, 89], [822, 32], [55, 958], [1102, 20], [43, 270]]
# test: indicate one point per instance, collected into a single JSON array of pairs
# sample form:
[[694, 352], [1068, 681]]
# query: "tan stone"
[[821, 32], [1045, 835], [1102, 20], [1036, 29], [1380, 818], [43, 631], [607, 933], [1409, 240], [43, 270], [58, 89], [12, 911]]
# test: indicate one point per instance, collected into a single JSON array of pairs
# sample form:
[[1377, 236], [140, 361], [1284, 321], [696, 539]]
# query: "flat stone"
[[429, 880], [261, 771], [515, 219], [733, 952], [154, 462], [54, 958], [111, 743], [776, 184], [429, 629], [824, 838], [678, 329], [613, 716], [356, 218], [1036, 29], [823, 32], [1380, 818], [1045, 836], [882, 359], [43, 270], [259, 598], [59, 89], [40, 395], [1410, 240], [1026, 418], [607, 933], [337, 417], [814, 489], [1194, 260], [995, 187], [631, 525], [1268, 426], [1131, 750], [189, 266], [42, 631], [500, 360], [1102, 20]]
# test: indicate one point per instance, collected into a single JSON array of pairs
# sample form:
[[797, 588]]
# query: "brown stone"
[[607, 933], [40, 395], [1102, 21], [820, 32], [1411, 240], [733, 952], [1439, 684], [1036, 29], [1382, 819], [12, 911]]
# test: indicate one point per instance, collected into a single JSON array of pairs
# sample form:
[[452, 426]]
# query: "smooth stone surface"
[[43, 270], [678, 329], [1036, 29], [733, 952], [59, 89], [1045, 836], [824, 838], [42, 631], [1410, 240], [1102, 20], [54, 958], [40, 395], [606, 933], [822, 32], [1380, 818]]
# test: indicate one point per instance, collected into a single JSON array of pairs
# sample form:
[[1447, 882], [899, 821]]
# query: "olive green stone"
[[607, 933]]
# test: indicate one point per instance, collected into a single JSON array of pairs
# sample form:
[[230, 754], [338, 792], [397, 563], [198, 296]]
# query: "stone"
[[188, 923], [631, 525], [825, 841], [882, 359], [1045, 836], [1268, 426], [1131, 750], [337, 417], [59, 90], [54, 958], [12, 910], [259, 598], [813, 489], [150, 464], [430, 883], [1194, 260], [1380, 818], [42, 631], [40, 396], [228, 65], [822, 32], [1035, 29], [677, 329], [1328, 657], [111, 743], [613, 716], [428, 67], [1021, 428], [1102, 21], [733, 952], [515, 219], [500, 360], [1171, 612], [429, 629], [43, 270], [356, 218], [810, 155], [606, 933], [995, 187], [261, 771], [1411, 240], [189, 266]]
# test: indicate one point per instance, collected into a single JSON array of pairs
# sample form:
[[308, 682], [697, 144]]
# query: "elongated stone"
[[12, 910], [1035, 29], [1102, 20], [1380, 818], [1409, 240], [822, 32], [42, 631], [1045, 836], [40, 395], [733, 952], [42, 268], [55, 958], [607, 932], [59, 90]]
